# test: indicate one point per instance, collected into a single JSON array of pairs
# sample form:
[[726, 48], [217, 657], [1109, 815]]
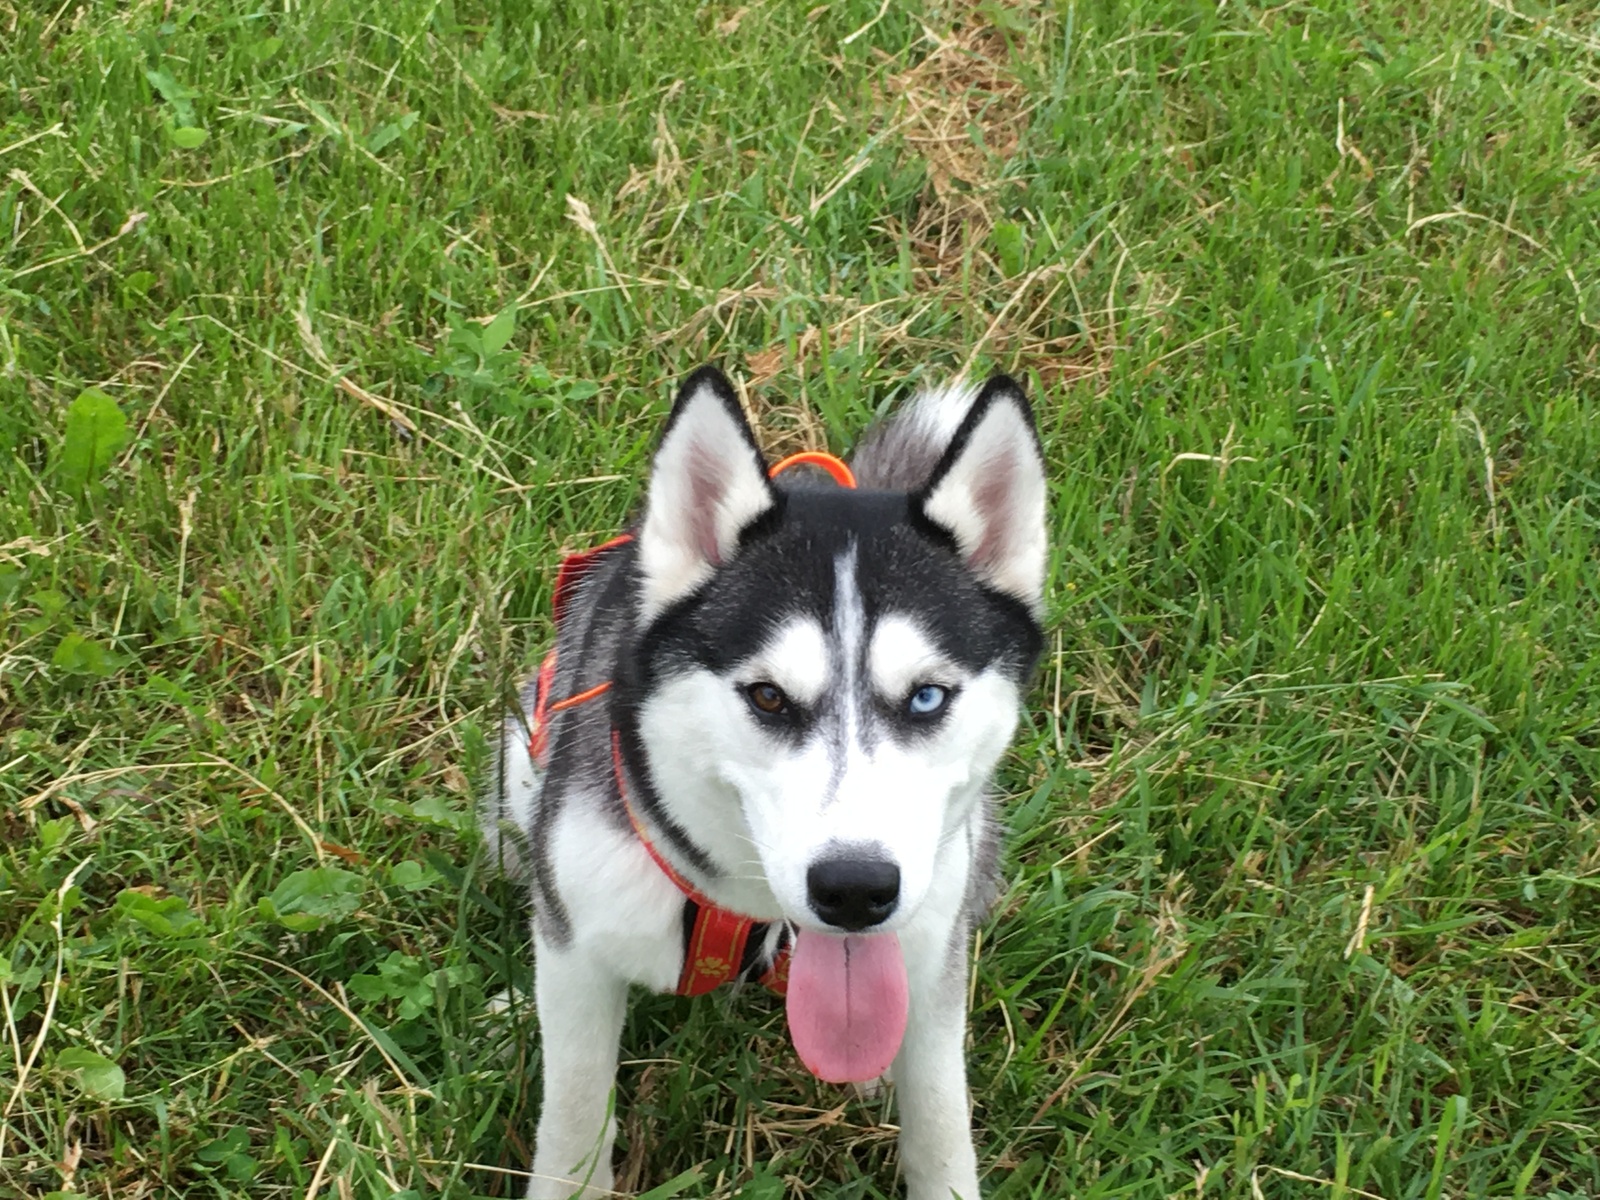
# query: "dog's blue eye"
[[927, 700]]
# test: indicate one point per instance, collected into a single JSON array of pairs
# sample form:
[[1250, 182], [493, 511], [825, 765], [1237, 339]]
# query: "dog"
[[761, 748]]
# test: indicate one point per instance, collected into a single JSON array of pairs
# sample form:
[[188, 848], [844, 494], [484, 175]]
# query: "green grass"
[[1303, 895]]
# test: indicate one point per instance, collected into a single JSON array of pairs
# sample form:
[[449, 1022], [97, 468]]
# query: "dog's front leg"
[[581, 1006], [930, 1083]]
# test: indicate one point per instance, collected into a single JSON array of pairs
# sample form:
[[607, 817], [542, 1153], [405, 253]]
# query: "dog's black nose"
[[853, 892]]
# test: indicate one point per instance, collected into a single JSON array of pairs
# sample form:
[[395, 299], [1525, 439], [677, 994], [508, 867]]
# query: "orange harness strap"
[[717, 941], [838, 468]]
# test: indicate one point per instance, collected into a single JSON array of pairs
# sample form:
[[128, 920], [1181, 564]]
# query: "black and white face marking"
[[825, 690]]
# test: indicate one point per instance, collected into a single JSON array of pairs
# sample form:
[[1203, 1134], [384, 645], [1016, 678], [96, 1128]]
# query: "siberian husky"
[[760, 750]]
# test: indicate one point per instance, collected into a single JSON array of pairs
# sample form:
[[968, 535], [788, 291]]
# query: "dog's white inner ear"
[[708, 482], [989, 493]]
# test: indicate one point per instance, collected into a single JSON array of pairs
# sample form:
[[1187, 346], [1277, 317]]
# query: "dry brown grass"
[[968, 83], [964, 110]]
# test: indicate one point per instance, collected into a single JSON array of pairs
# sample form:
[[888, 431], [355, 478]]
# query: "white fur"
[[707, 484], [993, 501], [902, 658], [938, 412], [606, 879], [796, 660], [906, 800], [693, 723], [625, 929], [849, 630], [581, 1009]]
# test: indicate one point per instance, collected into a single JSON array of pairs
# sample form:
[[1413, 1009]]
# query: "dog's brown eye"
[[767, 698]]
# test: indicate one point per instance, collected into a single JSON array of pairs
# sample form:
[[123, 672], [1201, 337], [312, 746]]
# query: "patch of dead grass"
[[965, 112], [782, 426]]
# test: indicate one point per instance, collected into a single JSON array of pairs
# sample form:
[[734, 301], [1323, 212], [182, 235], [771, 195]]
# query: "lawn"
[[326, 326]]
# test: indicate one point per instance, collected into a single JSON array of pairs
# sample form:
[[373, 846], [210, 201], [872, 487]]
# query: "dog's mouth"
[[847, 1003]]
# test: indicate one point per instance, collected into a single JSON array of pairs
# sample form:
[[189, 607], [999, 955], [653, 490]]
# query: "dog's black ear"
[[988, 493], [708, 483]]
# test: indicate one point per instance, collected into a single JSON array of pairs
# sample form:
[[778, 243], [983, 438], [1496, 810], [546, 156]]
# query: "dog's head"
[[826, 677]]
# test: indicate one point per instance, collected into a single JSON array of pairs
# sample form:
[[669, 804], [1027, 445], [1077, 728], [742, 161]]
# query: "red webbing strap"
[[539, 721], [776, 978], [715, 950], [572, 570]]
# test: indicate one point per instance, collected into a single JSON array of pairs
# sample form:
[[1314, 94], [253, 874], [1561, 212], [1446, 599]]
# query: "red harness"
[[719, 945]]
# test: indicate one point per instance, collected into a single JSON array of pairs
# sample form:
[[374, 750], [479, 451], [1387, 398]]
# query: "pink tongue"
[[847, 1004]]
